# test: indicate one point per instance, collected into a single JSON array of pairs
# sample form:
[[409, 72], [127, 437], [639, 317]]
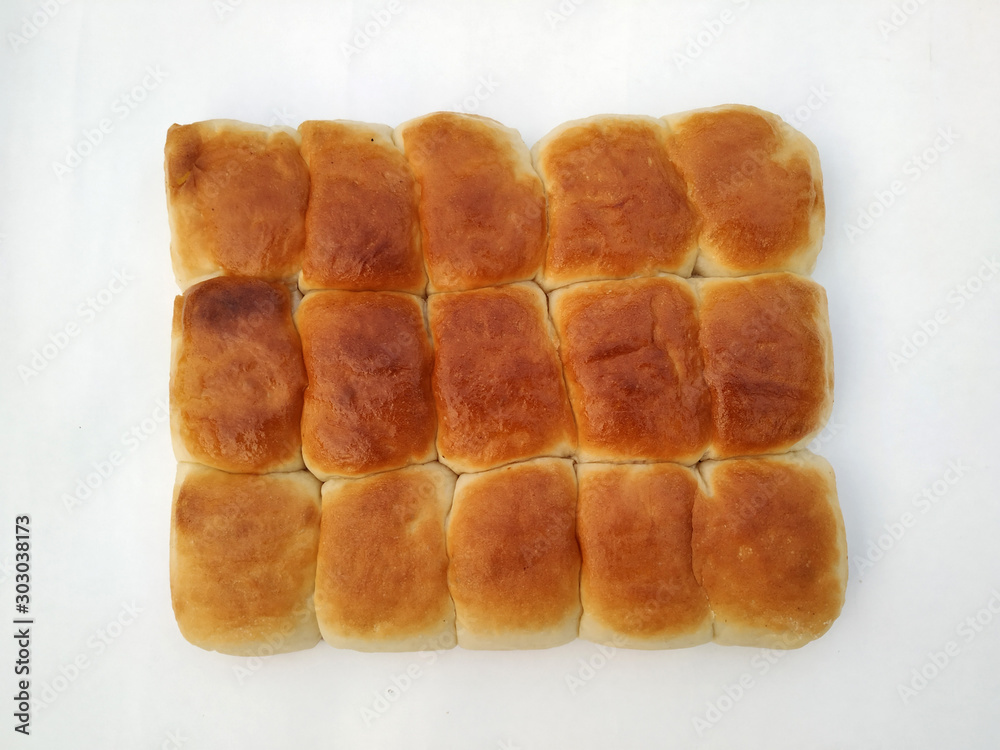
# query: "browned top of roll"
[[617, 205], [362, 231], [756, 183], [497, 379], [382, 572], [634, 526], [237, 382], [237, 196], [243, 555], [482, 208], [368, 406], [768, 361], [634, 370], [515, 561], [768, 545]]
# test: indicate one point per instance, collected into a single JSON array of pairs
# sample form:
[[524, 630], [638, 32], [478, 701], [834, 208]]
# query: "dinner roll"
[[637, 584], [498, 383], [482, 208], [362, 231], [236, 200], [382, 576], [243, 560], [634, 370], [368, 406], [769, 548], [617, 205], [756, 183], [236, 377], [768, 358], [514, 570]]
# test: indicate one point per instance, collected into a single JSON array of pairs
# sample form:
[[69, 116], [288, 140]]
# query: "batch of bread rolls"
[[429, 388]]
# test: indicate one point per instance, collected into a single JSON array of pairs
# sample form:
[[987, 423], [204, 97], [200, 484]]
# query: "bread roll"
[[482, 208], [768, 358], [498, 384], [514, 570], [382, 576], [770, 550], [236, 199], [633, 368], [757, 185], [617, 205], [243, 560], [637, 585], [362, 231], [368, 406], [236, 377]]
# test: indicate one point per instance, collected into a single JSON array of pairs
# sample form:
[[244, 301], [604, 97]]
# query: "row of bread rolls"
[[450, 202], [530, 555], [645, 369]]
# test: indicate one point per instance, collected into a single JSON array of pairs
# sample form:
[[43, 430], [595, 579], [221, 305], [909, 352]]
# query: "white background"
[[871, 95]]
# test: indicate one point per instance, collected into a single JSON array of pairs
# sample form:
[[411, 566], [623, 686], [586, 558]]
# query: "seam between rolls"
[[447, 555], [579, 548], [558, 342], [688, 194], [703, 490]]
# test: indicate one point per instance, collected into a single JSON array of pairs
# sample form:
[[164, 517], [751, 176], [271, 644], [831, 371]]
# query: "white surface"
[[885, 97]]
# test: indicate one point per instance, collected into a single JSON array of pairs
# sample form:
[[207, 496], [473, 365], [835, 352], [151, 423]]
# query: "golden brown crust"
[[497, 379], [515, 562], [770, 550], [362, 231], [756, 183], [237, 380], [768, 362], [368, 406], [382, 577], [243, 560], [236, 195], [617, 205], [637, 583], [633, 368], [482, 207]]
